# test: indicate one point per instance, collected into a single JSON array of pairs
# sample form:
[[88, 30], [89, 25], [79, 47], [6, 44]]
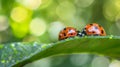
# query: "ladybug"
[[93, 29], [67, 32]]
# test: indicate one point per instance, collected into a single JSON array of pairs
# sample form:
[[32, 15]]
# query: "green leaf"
[[19, 54]]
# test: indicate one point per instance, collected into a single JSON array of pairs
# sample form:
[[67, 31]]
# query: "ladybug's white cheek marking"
[[94, 28]]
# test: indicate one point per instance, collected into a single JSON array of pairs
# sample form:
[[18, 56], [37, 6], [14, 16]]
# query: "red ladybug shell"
[[94, 29], [67, 33]]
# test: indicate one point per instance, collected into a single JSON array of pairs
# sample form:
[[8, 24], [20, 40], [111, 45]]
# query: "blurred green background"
[[41, 21]]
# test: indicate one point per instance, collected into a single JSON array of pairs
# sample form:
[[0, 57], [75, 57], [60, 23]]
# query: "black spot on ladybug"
[[64, 28], [102, 31], [91, 24], [71, 33], [64, 34], [59, 36], [93, 32]]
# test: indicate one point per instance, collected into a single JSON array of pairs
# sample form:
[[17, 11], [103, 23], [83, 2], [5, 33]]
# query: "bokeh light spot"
[[40, 63], [2, 61], [19, 14], [79, 60], [20, 29], [35, 4], [111, 9], [37, 26], [54, 30], [1, 46], [66, 10], [32, 4], [117, 3], [115, 63], [100, 61]]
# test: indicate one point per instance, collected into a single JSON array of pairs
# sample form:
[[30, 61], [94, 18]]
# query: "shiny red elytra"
[[67, 32], [94, 29]]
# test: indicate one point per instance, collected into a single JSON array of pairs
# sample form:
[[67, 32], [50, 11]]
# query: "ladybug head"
[[80, 34]]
